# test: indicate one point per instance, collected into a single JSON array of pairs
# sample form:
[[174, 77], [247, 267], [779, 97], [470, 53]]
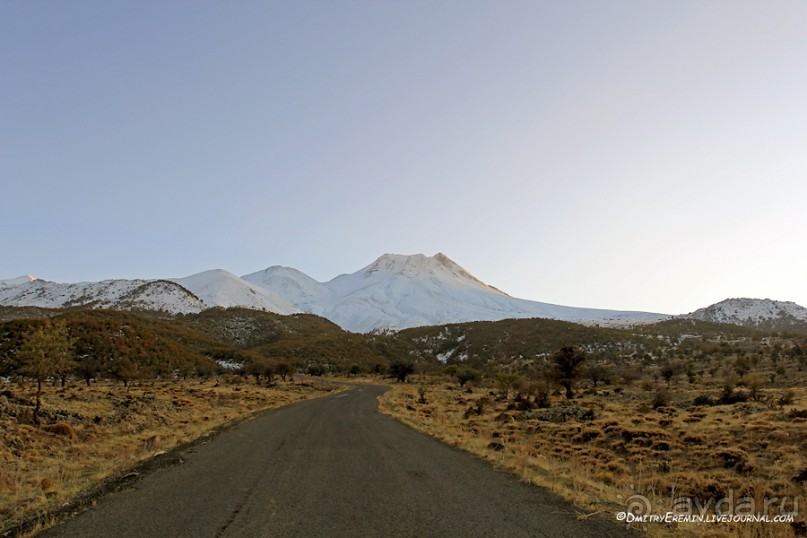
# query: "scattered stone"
[[152, 443]]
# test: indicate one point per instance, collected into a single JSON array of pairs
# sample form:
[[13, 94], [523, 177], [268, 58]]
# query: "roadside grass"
[[607, 450], [90, 434]]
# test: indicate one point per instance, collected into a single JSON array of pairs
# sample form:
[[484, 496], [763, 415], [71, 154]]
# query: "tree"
[[124, 369], [46, 352], [754, 382], [668, 371], [260, 367], [88, 368], [283, 369], [467, 374], [741, 365], [598, 373], [400, 370], [566, 365], [507, 383]]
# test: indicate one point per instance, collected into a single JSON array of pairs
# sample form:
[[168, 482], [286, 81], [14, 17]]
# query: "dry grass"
[[751, 449], [92, 433]]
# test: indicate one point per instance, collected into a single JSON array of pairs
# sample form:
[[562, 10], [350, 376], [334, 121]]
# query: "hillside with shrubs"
[[682, 415], [599, 415]]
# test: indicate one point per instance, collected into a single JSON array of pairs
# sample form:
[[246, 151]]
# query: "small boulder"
[[152, 443]]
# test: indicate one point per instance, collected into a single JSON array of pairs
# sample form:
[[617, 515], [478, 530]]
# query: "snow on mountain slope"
[[292, 285], [123, 294], [160, 295], [398, 291], [222, 288], [751, 312], [393, 292], [17, 281]]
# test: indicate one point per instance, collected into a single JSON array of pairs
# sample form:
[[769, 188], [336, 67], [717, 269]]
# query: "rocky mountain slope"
[[161, 295], [757, 313]]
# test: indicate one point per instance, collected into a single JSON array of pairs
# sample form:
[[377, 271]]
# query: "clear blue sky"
[[626, 154]]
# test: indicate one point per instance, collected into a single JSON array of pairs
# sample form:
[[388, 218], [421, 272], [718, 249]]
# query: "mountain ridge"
[[755, 313], [393, 292]]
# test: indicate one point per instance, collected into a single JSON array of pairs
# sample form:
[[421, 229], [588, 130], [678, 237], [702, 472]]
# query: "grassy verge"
[[89, 434], [607, 451]]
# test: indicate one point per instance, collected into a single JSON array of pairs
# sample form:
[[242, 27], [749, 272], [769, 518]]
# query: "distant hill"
[[207, 341], [493, 343], [161, 295], [756, 313]]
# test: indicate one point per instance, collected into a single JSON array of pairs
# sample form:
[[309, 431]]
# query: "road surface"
[[330, 467]]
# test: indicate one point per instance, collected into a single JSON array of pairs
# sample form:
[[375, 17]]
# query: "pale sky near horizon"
[[626, 154]]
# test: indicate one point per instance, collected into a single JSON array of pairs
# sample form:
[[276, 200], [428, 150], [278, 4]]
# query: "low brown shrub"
[[62, 429]]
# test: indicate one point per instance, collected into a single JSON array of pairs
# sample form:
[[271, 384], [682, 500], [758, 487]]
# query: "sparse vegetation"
[[89, 434], [719, 411], [679, 408], [83, 391]]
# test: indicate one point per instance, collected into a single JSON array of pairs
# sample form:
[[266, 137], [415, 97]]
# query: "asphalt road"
[[330, 467]]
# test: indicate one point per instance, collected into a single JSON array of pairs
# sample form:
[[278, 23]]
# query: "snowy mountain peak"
[[294, 286], [751, 312], [122, 294], [437, 268], [395, 291], [218, 287], [398, 291], [19, 280]]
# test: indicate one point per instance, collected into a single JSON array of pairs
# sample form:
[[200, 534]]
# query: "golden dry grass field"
[[90, 434], [608, 449]]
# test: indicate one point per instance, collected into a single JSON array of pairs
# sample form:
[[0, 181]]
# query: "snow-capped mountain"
[[176, 296], [397, 291], [752, 313], [393, 292], [17, 281], [123, 294], [222, 288], [292, 285]]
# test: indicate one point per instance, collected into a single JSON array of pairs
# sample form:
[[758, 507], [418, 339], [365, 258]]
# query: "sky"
[[625, 154]]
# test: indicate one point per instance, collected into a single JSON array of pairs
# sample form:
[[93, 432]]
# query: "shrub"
[[63, 429], [508, 383], [730, 396], [422, 395], [316, 370], [704, 400], [661, 398], [400, 370], [786, 399], [466, 374]]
